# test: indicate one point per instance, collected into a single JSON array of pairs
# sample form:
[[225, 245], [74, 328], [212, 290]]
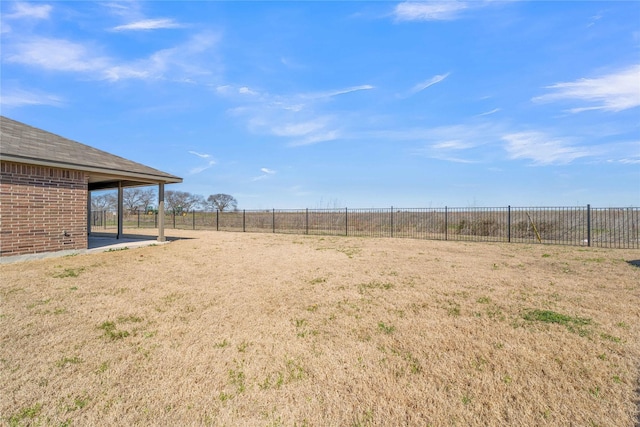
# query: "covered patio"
[[99, 242], [47, 182], [96, 242], [109, 182]]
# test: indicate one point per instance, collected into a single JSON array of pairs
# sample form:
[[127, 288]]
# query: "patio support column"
[[161, 237], [120, 210], [89, 213]]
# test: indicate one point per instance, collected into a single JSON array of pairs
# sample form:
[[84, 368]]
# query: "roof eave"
[[151, 178]]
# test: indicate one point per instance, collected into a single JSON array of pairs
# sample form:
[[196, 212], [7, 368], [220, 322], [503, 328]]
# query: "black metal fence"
[[577, 226]]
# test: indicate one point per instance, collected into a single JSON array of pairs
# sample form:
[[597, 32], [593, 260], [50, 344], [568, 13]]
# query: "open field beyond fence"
[[300, 330], [576, 226]]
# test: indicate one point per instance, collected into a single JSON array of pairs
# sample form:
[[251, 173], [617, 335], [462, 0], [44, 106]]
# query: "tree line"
[[136, 199]]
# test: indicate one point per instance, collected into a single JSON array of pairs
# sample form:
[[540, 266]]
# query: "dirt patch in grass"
[[264, 329]]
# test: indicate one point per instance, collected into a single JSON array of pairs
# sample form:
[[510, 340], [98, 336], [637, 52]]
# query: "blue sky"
[[333, 104]]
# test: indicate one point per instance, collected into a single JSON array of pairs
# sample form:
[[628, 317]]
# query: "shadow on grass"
[[635, 263]]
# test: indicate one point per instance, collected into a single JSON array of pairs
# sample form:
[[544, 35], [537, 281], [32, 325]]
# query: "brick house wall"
[[42, 209]]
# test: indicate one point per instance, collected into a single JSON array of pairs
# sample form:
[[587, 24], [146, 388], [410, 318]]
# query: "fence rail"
[[577, 226]]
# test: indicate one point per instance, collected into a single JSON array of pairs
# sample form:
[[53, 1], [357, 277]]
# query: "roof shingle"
[[23, 143]]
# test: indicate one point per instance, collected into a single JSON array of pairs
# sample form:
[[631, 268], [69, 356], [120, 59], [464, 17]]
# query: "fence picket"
[[577, 226]]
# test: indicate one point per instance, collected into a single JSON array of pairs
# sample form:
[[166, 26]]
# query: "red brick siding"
[[38, 204]]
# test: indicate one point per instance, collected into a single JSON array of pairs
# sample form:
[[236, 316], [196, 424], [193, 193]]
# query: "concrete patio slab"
[[96, 243]]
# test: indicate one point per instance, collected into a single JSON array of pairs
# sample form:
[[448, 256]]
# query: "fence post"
[[217, 220], [509, 223], [193, 216], [307, 220], [174, 219], [346, 222], [446, 224], [273, 220], [138, 211], [391, 221], [244, 220], [588, 225]]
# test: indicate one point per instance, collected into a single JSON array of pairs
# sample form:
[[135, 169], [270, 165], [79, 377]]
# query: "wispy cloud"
[[266, 173], [429, 11], [198, 169], [457, 151], [246, 91], [324, 136], [13, 97], [455, 144], [29, 11], [337, 92], [631, 161], [176, 63], [224, 89], [290, 102], [231, 91], [201, 155], [149, 24], [300, 129], [294, 117], [484, 141], [488, 113], [308, 132], [427, 83], [542, 149], [472, 134], [594, 19], [463, 143], [622, 152], [130, 10], [612, 92], [56, 54]]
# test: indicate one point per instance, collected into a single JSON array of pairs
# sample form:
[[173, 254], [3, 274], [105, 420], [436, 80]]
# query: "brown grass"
[[269, 330]]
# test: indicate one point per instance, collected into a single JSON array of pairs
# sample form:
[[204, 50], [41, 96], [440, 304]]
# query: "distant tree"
[[104, 202], [149, 198], [137, 198], [222, 202], [198, 202], [182, 201]]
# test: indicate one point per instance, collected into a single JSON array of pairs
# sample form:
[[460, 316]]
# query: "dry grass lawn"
[[268, 330]]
